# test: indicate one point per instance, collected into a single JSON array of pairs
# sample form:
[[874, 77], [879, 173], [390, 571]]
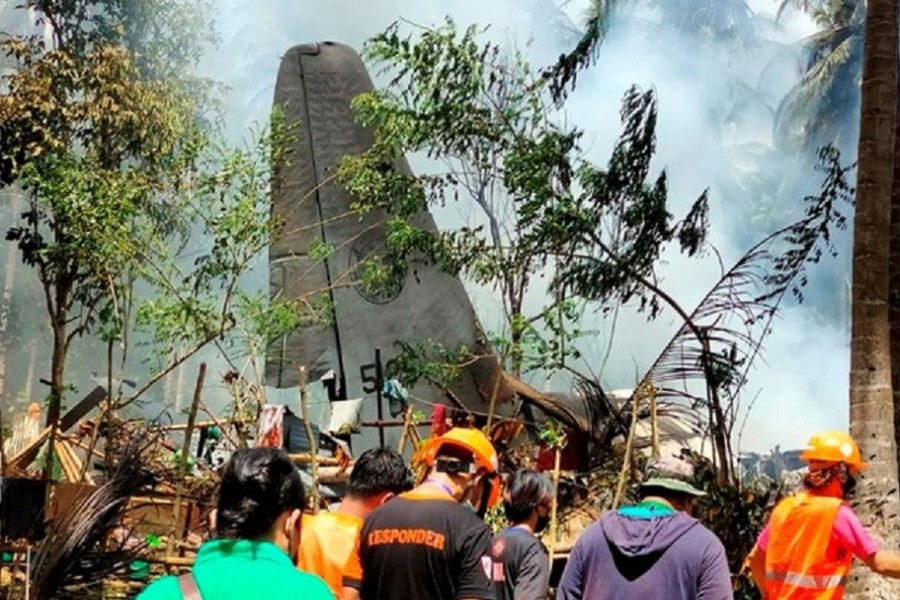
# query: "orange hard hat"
[[478, 444], [836, 447]]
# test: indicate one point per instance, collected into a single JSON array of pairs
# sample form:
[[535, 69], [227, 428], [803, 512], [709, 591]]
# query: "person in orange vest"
[[329, 538], [805, 551]]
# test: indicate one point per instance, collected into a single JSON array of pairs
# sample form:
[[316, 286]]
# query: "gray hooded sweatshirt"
[[644, 553]]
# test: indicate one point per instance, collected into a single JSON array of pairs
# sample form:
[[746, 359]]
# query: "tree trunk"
[[894, 292], [871, 400], [57, 374]]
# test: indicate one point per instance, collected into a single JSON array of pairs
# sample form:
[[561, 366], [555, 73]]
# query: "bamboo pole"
[[313, 446], [554, 505], [493, 405], [307, 458], [198, 425], [629, 449], [407, 425], [382, 424], [181, 468]]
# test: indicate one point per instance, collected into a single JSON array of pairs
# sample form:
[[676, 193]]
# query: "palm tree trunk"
[[871, 399], [894, 281]]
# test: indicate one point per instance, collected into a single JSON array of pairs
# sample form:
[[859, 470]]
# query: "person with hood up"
[[653, 550]]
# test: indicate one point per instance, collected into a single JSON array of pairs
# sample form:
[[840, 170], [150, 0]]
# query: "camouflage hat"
[[671, 473]]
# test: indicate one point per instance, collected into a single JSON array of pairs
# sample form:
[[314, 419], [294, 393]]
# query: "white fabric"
[[345, 414]]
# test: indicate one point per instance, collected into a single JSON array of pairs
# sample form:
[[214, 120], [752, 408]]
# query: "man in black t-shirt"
[[521, 566], [426, 544]]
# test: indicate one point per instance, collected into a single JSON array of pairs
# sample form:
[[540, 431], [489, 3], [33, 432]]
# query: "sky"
[[801, 383]]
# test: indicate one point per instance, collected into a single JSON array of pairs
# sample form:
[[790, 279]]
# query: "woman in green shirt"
[[261, 500]]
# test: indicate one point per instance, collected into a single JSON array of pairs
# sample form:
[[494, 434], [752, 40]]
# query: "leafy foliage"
[[542, 208], [707, 362], [112, 137]]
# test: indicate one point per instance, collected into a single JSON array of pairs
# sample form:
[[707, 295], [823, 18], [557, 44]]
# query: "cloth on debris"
[[397, 397], [237, 569], [295, 439], [271, 427], [646, 551], [439, 420], [345, 416]]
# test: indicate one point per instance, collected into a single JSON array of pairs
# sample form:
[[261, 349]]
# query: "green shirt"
[[243, 569]]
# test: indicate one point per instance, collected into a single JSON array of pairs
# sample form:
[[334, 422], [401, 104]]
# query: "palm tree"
[[821, 108], [871, 402]]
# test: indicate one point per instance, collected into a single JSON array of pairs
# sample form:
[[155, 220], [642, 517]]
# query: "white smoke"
[[800, 386]]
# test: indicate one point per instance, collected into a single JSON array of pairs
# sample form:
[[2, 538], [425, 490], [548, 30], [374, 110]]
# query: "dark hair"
[[258, 485], [661, 492], [377, 471], [451, 450], [525, 491]]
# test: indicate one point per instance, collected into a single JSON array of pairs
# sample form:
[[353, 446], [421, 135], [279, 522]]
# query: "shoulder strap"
[[188, 586]]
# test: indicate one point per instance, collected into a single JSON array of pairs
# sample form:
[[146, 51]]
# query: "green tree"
[[139, 216], [551, 223], [821, 108]]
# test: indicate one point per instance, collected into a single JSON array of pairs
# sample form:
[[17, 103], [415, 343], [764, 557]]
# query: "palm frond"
[[707, 362], [75, 551], [806, 115]]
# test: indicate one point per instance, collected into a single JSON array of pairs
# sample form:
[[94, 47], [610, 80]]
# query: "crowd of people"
[[393, 538]]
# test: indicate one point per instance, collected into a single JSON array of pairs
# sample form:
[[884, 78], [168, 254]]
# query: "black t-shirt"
[[521, 566], [422, 547]]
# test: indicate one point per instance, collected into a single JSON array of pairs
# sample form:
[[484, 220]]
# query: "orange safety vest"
[[798, 566], [326, 542]]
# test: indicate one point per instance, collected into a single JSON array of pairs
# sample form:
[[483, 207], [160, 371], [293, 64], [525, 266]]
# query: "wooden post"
[[554, 534], [379, 383], [181, 468], [493, 405], [27, 573], [313, 446]]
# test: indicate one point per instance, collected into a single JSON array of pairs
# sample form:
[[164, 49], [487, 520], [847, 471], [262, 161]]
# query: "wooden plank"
[[81, 410], [63, 458]]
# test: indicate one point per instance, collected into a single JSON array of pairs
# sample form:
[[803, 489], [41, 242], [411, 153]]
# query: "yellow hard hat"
[[475, 442], [836, 447]]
